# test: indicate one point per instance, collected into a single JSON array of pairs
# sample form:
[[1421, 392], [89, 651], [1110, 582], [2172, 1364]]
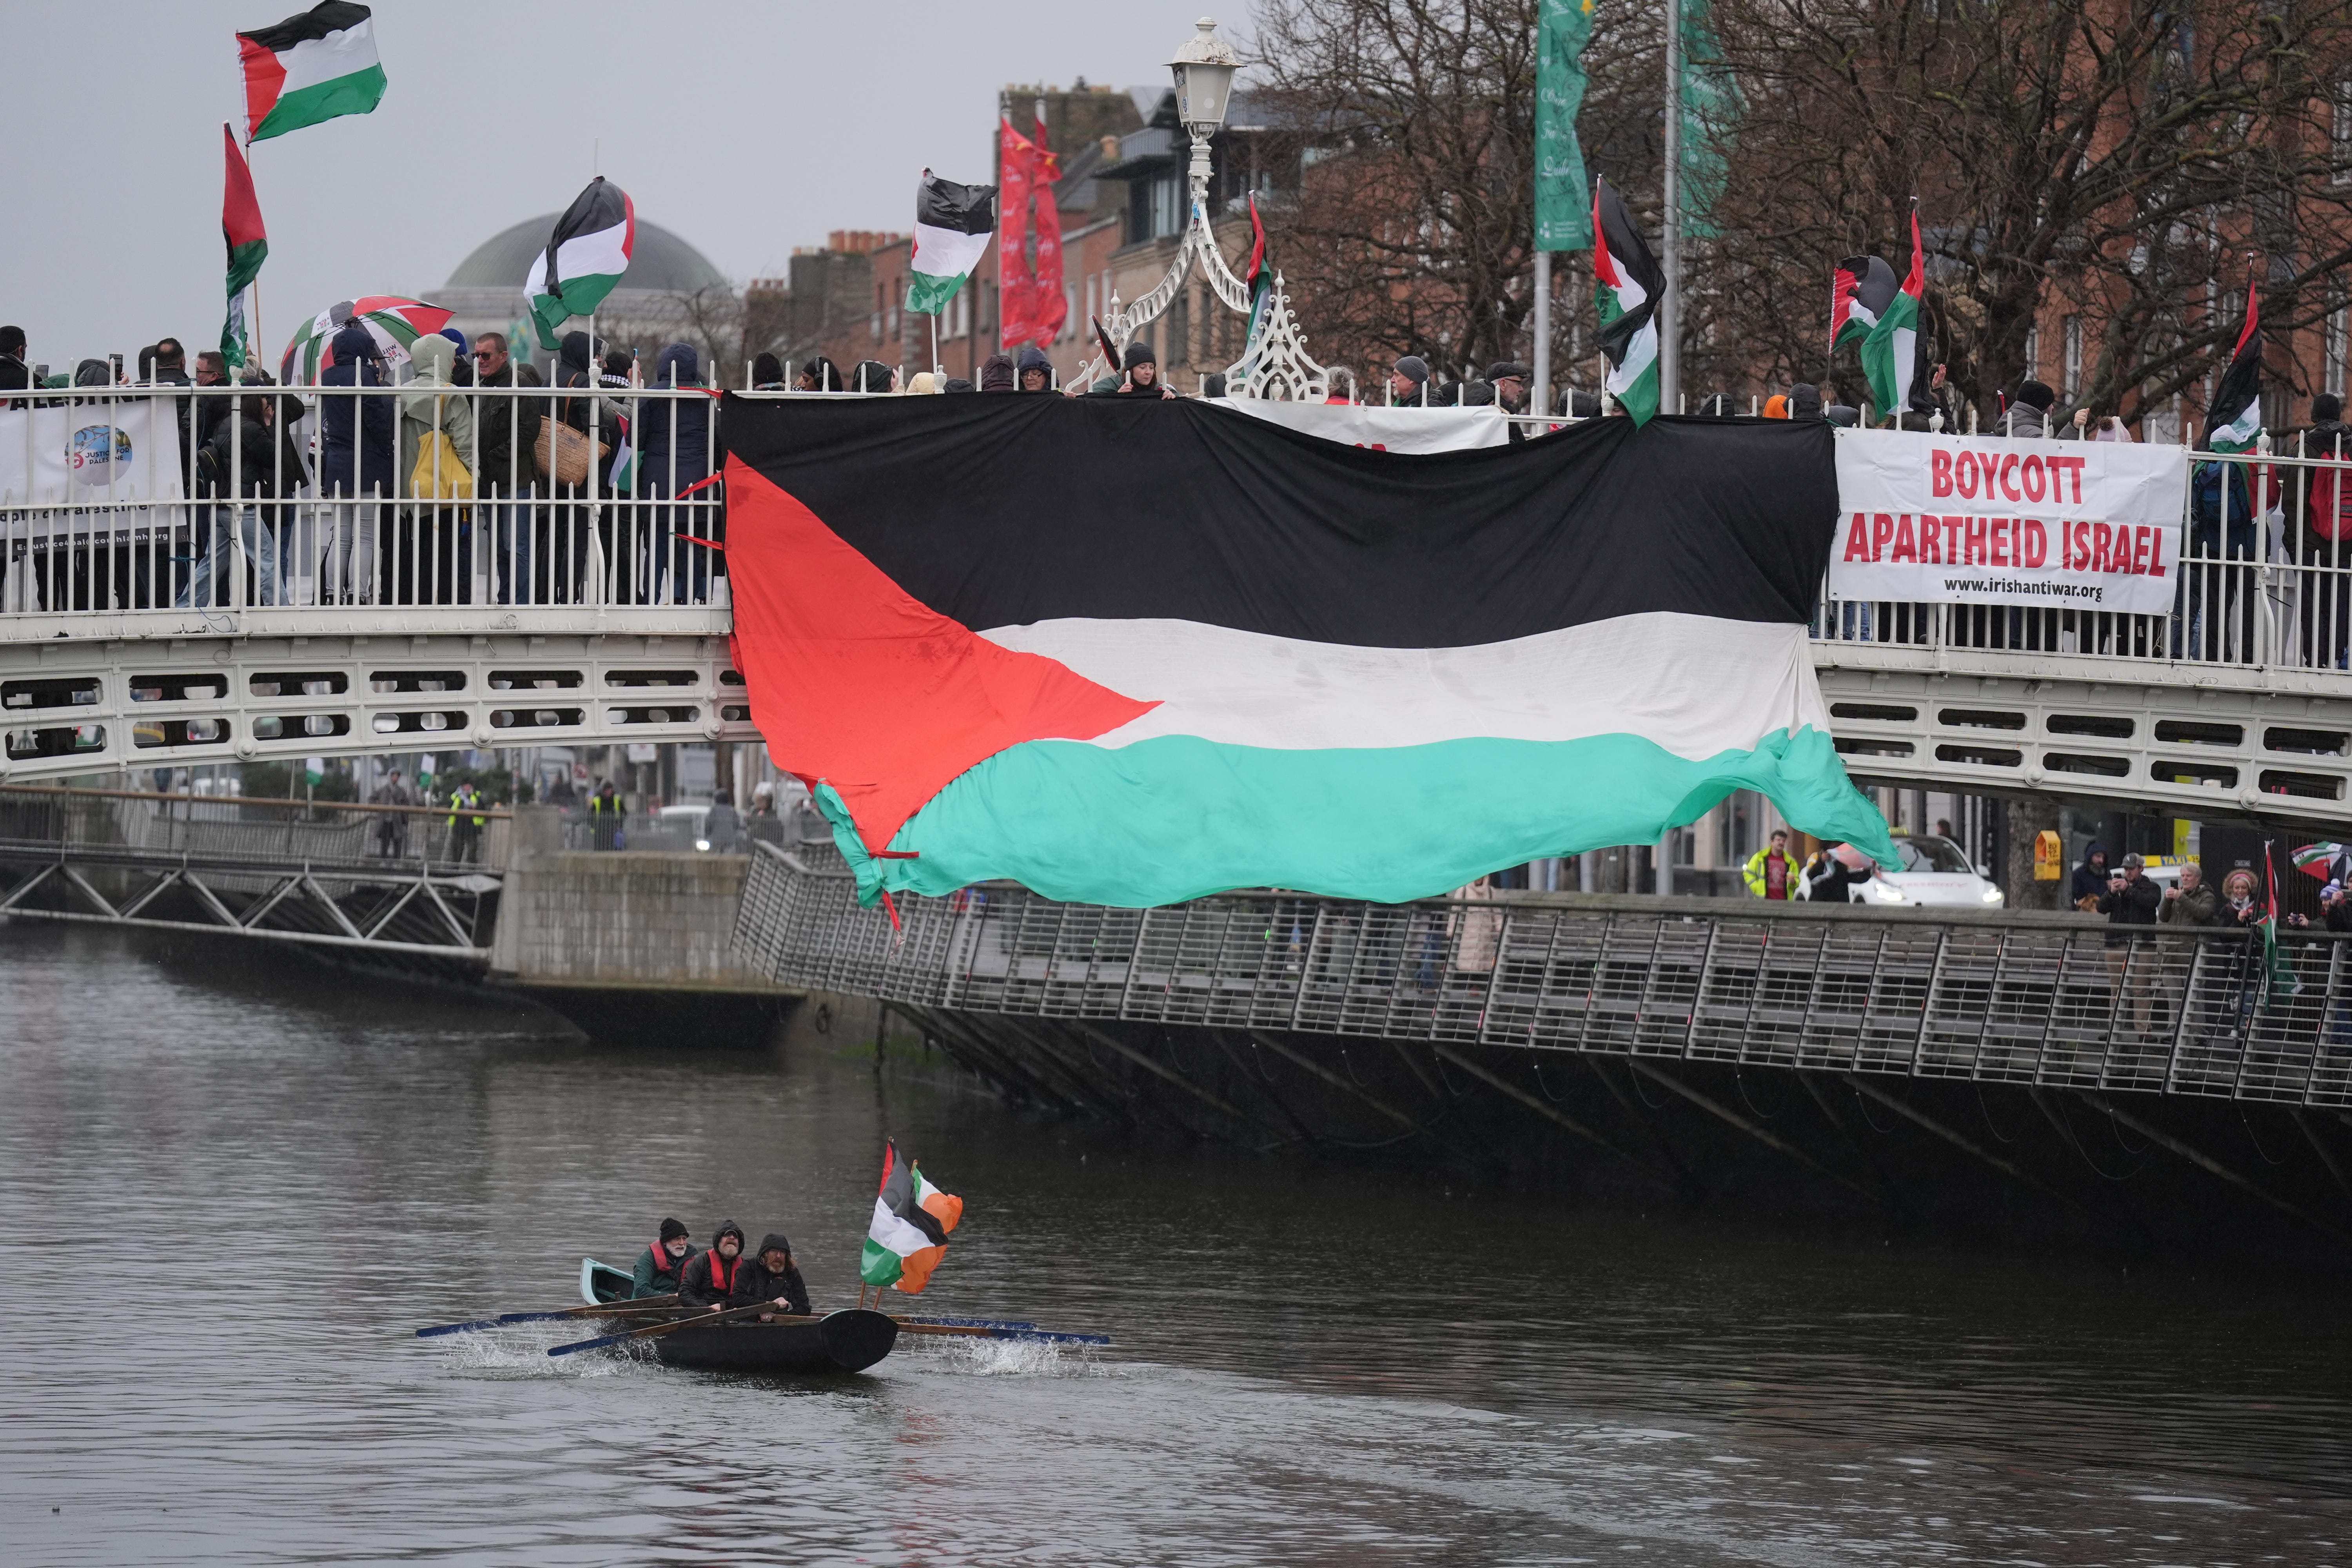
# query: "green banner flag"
[[1563, 201], [1710, 102]]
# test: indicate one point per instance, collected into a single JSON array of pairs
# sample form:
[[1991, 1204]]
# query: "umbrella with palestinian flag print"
[[908, 1234], [393, 322]]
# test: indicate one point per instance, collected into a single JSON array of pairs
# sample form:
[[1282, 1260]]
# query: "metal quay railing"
[[256, 831], [2016, 998]]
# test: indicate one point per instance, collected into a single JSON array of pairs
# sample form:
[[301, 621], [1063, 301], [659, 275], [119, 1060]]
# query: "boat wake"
[[1002, 1358], [520, 1350]]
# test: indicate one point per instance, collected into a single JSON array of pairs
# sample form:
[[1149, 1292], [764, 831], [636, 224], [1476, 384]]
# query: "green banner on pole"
[[1710, 103], [1563, 201]]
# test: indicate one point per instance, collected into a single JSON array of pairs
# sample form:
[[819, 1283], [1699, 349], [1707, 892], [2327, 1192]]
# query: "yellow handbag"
[[441, 474]]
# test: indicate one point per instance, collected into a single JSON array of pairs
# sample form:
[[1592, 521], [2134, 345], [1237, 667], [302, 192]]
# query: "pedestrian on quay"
[[2090, 879], [2130, 899], [2192, 901], [1770, 872], [721, 825], [392, 826], [466, 822], [605, 817]]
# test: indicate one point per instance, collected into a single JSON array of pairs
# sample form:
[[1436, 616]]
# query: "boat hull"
[[848, 1341]]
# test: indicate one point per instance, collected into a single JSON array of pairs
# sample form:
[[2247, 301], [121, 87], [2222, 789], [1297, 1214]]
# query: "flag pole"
[[1670, 374], [1539, 395]]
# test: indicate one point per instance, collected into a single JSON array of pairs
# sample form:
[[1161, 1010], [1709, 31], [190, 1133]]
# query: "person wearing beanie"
[[1804, 400], [1142, 377], [2028, 418], [767, 373], [1036, 372], [958, 383], [771, 1276], [1409, 380], [711, 1277], [996, 373], [659, 1264]]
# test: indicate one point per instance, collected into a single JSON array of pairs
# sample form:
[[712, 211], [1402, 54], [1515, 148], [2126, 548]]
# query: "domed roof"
[[660, 262]]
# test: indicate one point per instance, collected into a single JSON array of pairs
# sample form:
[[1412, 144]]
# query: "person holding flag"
[[2223, 506], [1890, 348], [1627, 284]]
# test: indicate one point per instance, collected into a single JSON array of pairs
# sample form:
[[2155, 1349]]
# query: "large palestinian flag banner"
[[1252, 658]]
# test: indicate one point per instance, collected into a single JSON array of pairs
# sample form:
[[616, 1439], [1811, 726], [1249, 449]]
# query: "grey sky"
[[747, 128]]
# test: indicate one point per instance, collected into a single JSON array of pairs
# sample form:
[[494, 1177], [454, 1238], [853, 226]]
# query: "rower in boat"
[[772, 1276], [659, 1264], [709, 1278]]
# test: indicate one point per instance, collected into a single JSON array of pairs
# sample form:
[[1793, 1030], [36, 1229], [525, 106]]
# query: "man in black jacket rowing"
[[723, 1278]]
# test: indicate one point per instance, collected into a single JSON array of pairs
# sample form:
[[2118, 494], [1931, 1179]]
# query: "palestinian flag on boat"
[[313, 67], [1865, 286], [953, 225], [910, 1232], [1890, 352], [585, 255], [1286, 661], [249, 245], [393, 322], [1627, 284], [2235, 418]]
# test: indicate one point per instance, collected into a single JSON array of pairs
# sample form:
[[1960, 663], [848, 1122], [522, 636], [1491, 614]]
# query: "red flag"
[[240, 209], [1016, 167], [1049, 305]]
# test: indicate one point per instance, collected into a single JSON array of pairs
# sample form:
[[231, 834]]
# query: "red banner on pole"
[[1049, 304], [1016, 167]]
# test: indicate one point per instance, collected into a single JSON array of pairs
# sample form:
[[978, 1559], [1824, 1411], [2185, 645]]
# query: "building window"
[[2073, 368], [2033, 353], [1180, 328], [1069, 311], [2336, 329], [2340, 148], [1167, 207]]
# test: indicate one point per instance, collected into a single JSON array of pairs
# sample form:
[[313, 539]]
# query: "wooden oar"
[[650, 1329], [597, 1311]]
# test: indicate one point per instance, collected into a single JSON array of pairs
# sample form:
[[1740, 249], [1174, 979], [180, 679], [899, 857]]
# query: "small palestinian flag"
[[1258, 279], [247, 243], [953, 225], [910, 1232], [1627, 284], [2325, 861], [2283, 981], [309, 68], [2235, 418], [1890, 353], [1865, 286], [586, 254]]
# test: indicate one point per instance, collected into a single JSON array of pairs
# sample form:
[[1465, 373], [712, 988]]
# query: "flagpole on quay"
[[1670, 308]]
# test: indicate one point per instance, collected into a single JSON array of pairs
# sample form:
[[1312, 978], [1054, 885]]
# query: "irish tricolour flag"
[[910, 1232], [1281, 661], [953, 225], [309, 68], [1627, 284], [584, 258]]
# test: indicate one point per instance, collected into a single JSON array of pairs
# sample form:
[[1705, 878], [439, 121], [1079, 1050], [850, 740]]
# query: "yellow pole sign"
[[2049, 858]]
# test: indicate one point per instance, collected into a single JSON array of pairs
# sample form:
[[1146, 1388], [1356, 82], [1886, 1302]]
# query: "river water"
[[232, 1188]]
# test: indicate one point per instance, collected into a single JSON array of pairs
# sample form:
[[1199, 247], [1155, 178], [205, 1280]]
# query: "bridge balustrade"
[[2047, 999]]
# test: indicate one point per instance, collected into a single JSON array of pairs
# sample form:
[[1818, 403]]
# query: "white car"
[[1933, 870]]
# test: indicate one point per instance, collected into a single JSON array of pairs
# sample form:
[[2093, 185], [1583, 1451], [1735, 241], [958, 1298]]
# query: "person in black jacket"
[[2130, 899], [711, 1277], [773, 1276], [675, 457], [241, 460], [506, 433], [2090, 882], [16, 371], [1142, 377]]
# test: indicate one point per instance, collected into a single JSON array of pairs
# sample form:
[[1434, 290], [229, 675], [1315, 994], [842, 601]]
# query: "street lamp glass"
[[1204, 71]]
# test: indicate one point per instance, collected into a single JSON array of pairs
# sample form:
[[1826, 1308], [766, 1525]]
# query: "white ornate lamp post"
[[1204, 69]]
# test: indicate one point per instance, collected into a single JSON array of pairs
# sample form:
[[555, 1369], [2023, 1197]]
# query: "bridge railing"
[[182, 505], [268, 832], [2015, 999]]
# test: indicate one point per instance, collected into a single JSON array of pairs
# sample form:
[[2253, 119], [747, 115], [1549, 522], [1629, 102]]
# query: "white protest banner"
[[1958, 519], [1405, 428]]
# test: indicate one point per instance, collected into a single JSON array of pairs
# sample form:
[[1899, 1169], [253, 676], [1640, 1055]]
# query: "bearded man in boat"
[[659, 1264], [724, 1278]]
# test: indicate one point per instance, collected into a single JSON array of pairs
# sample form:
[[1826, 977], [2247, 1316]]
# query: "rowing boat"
[[848, 1341]]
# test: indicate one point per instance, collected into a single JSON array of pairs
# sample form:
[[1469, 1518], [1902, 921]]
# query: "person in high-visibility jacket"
[[466, 822], [1771, 873]]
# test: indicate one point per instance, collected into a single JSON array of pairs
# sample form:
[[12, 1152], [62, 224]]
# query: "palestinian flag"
[[309, 68], [910, 1232], [953, 225], [1627, 284], [2235, 418], [2320, 861], [2279, 976], [1259, 278], [393, 322], [1865, 286], [247, 243], [585, 255], [1286, 661], [1890, 352]]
